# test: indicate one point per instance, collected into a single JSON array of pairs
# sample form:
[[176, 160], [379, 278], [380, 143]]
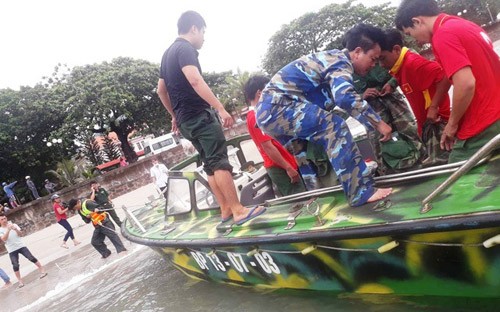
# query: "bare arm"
[[92, 194], [61, 211], [275, 156], [200, 86], [165, 100], [442, 88], [5, 236], [464, 86]]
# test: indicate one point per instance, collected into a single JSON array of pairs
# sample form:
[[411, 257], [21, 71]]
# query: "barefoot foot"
[[379, 194]]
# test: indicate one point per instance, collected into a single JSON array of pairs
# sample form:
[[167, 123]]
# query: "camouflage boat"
[[435, 235]]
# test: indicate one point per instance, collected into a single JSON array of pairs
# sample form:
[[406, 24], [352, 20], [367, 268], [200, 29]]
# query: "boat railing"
[[483, 152]]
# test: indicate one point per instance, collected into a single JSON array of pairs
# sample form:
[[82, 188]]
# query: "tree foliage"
[[313, 32], [118, 96], [481, 12], [27, 119], [91, 149], [110, 150]]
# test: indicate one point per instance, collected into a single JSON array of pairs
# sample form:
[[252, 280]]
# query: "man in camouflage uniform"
[[298, 103], [378, 88]]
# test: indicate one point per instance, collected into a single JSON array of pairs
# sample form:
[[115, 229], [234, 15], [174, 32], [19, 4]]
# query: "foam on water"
[[76, 280]]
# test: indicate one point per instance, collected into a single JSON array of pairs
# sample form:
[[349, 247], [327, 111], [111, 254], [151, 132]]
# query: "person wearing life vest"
[[90, 211]]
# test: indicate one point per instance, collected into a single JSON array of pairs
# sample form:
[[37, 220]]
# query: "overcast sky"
[[39, 34]]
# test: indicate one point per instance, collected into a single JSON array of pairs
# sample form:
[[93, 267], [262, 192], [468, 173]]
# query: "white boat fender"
[[389, 246], [307, 250], [490, 242]]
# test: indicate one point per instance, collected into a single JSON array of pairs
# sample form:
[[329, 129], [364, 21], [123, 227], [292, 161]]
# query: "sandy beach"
[[60, 263]]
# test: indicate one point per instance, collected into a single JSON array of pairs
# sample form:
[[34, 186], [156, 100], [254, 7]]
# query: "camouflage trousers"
[[431, 135], [291, 120], [397, 114]]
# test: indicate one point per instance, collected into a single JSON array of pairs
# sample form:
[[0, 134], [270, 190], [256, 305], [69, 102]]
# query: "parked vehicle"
[[160, 144]]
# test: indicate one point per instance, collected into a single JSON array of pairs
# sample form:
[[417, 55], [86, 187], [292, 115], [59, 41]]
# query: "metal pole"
[[481, 153]]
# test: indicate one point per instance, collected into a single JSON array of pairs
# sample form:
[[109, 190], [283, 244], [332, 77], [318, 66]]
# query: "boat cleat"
[[291, 219], [382, 205]]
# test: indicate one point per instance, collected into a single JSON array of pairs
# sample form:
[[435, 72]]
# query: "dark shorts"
[[282, 181], [14, 257], [464, 149], [206, 135]]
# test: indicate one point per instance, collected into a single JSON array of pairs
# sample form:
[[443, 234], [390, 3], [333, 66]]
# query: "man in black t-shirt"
[[189, 100]]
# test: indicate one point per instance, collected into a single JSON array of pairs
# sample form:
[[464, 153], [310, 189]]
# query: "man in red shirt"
[[279, 163], [466, 54], [425, 85]]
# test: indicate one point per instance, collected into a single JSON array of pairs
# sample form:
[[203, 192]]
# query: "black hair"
[[254, 84], [189, 19], [72, 203], [409, 9], [363, 36], [392, 37], [2, 214]]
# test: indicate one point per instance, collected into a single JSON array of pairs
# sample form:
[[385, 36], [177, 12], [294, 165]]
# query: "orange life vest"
[[95, 217]]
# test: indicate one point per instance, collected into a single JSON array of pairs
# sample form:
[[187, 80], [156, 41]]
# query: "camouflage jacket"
[[324, 79]]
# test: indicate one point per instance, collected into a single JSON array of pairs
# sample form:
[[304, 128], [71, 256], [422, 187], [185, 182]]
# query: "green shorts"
[[464, 149], [205, 133], [282, 181]]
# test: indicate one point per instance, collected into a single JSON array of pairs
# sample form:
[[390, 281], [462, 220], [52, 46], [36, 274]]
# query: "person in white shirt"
[[159, 173], [10, 234]]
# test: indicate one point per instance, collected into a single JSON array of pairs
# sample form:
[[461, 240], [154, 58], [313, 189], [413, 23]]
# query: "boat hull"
[[453, 263]]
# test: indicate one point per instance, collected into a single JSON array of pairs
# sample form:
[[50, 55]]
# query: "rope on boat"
[[347, 249], [382, 249], [441, 244]]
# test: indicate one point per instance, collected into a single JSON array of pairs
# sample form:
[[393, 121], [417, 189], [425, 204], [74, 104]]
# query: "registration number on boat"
[[239, 262]]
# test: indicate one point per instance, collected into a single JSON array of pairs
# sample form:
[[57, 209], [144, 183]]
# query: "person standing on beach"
[[103, 227], [189, 100], [102, 198], [159, 174], [10, 234], [60, 212], [6, 279]]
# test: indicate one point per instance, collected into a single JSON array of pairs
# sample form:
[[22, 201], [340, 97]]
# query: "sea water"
[[143, 281]]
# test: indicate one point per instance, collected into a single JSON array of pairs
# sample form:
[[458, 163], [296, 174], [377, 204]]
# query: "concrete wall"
[[39, 214]]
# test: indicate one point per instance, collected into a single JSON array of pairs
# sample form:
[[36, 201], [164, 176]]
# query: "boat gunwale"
[[479, 220]]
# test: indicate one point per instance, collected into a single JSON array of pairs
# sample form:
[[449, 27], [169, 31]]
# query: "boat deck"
[[471, 202]]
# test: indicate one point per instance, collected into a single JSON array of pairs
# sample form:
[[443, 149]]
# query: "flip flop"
[[43, 275], [250, 215], [64, 246], [224, 220], [20, 286]]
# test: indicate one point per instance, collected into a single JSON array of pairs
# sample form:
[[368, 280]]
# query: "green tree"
[[91, 149], [481, 12], [118, 96], [28, 119], [313, 32], [110, 150]]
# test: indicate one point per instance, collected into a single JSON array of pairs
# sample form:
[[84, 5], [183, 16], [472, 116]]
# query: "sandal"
[[43, 275], [20, 286]]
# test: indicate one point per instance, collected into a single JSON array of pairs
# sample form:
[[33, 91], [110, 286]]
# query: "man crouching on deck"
[[298, 103], [103, 227]]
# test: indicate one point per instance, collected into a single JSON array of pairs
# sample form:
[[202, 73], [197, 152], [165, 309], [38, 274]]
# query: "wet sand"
[[63, 264]]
